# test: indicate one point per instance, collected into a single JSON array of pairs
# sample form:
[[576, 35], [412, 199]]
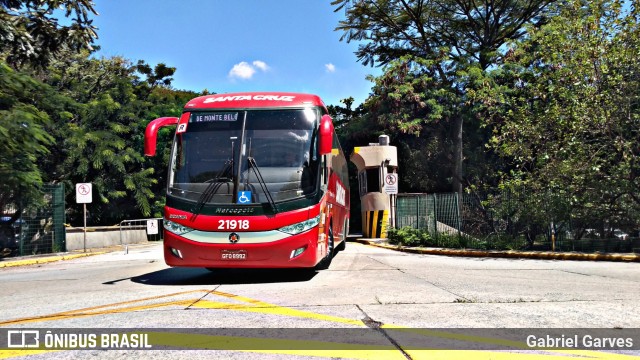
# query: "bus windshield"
[[223, 153]]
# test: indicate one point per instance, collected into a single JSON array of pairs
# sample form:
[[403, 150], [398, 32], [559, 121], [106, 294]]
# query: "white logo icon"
[[244, 197], [23, 339]]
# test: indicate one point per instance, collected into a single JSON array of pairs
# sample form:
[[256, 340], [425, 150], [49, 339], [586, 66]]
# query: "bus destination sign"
[[218, 116]]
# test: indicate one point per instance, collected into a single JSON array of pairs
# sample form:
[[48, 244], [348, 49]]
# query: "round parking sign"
[[84, 193], [391, 183]]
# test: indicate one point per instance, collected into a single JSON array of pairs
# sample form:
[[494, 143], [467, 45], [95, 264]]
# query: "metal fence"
[[506, 221], [137, 230], [29, 230]]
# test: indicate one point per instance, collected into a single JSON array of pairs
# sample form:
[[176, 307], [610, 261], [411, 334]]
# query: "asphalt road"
[[361, 300]]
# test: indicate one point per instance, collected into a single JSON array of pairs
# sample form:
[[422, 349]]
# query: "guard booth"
[[378, 184]]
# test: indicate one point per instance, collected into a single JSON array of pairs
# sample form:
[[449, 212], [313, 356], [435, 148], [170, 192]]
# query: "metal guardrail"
[[132, 230]]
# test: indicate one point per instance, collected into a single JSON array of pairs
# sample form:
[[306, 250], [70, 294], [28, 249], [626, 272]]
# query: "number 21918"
[[233, 224]]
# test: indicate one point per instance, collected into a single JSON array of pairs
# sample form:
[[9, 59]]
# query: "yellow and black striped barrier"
[[374, 224]]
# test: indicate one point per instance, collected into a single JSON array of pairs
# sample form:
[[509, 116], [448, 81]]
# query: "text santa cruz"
[[249, 97]]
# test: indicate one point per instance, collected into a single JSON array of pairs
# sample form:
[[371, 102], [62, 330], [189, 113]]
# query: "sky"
[[238, 45]]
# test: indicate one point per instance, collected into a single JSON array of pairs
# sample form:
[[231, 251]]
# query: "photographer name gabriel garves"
[[582, 341]]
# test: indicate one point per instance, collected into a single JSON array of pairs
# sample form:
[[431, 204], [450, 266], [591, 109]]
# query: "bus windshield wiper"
[[256, 170], [213, 185], [222, 175]]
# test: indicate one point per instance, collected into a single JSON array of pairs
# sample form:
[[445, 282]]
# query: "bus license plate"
[[234, 255]]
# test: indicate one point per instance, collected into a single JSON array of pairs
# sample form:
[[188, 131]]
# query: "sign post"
[[84, 196], [391, 188]]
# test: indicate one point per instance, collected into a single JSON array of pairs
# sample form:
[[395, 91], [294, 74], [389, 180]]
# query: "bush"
[[452, 241], [408, 236]]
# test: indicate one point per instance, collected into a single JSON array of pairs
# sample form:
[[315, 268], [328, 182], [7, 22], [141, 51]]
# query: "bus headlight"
[[301, 226], [176, 228]]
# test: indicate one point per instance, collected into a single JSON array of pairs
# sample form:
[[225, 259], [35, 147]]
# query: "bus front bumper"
[[303, 250]]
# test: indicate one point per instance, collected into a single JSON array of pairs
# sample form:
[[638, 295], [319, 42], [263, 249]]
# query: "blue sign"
[[244, 197]]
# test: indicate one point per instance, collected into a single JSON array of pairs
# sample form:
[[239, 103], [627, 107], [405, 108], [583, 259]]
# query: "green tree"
[[566, 111], [440, 45], [68, 117], [99, 136], [23, 137], [30, 33], [162, 101], [404, 105], [156, 76], [30, 36], [344, 114]]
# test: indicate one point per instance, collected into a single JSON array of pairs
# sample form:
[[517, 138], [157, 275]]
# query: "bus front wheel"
[[326, 261], [345, 232]]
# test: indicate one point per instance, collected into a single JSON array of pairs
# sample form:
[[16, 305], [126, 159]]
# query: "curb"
[[542, 255], [75, 254], [45, 260]]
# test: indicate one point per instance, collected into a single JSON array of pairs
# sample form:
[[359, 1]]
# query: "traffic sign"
[[84, 194], [152, 227], [391, 183]]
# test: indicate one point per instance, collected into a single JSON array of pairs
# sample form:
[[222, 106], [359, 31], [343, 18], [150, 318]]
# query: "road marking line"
[[342, 350], [276, 346], [257, 306], [108, 309], [506, 355], [7, 354]]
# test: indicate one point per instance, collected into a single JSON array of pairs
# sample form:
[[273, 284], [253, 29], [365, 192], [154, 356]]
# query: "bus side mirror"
[[326, 135], [151, 133]]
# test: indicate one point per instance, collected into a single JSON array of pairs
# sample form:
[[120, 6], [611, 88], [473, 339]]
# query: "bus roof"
[[254, 100]]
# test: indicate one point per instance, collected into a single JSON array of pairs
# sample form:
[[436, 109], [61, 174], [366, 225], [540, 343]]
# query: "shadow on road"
[[197, 276]]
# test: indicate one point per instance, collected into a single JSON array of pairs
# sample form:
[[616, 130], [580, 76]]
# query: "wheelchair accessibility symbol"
[[244, 197]]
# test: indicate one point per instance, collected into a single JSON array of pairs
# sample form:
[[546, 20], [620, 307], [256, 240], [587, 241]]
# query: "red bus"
[[256, 180]]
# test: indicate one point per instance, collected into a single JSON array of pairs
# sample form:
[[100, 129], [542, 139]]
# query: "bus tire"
[[326, 261], [345, 230]]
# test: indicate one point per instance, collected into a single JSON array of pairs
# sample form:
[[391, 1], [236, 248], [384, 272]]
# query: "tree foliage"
[[451, 34], [100, 138], [413, 109], [431, 49], [97, 141], [31, 34], [67, 116], [565, 110], [551, 89], [23, 137]]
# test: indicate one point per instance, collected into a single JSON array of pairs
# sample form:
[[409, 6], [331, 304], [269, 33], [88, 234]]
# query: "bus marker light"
[[298, 251], [176, 253]]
